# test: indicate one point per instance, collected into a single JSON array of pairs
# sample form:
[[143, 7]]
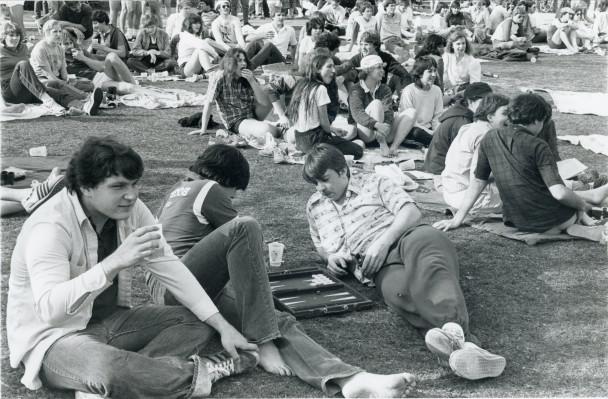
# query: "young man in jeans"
[[217, 246]]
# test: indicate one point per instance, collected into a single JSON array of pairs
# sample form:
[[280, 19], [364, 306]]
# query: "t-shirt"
[[225, 25], [309, 119], [455, 73], [428, 103], [460, 159], [304, 49], [115, 39], [390, 26], [186, 46], [83, 17], [193, 209], [366, 26], [524, 169], [283, 38], [46, 55]]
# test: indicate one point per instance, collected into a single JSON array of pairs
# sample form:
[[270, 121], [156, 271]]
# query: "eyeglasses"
[[225, 6]]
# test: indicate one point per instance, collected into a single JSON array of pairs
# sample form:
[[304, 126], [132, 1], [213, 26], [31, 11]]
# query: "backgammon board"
[[312, 292]]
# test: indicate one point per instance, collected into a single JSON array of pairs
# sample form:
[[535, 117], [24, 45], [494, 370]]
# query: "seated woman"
[[584, 29], [563, 32], [438, 23], [241, 101], [371, 106], [420, 106], [194, 54], [460, 67], [461, 157], [600, 24], [18, 81], [152, 48], [455, 17], [434, 46], [314, 28], [514, 32], [480, 17], [307, 110], [366, 22]]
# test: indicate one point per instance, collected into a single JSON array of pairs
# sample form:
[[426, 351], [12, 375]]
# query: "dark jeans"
[[263, 52], [420, 280], [306, 140], [143, 64], [244, 8], [235, 252], [25, 87]]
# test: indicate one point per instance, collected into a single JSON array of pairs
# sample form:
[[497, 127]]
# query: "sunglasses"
[[224, 6]]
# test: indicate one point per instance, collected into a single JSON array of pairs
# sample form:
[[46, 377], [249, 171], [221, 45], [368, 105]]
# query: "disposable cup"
[[158, 252], [38, 151], [350, 159], [275, 254]]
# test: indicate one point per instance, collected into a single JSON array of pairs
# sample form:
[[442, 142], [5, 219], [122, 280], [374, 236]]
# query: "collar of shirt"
[[368, 90]]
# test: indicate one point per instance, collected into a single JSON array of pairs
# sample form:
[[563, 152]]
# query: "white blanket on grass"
[[594, 142], [576, 102], [544, 48], [23, 111], [157, 98]]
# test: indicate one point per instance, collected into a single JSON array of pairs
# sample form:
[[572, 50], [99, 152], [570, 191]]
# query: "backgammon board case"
[[313, 292]]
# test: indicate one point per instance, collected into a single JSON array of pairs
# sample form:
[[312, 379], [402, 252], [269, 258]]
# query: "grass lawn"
[[544, 307]]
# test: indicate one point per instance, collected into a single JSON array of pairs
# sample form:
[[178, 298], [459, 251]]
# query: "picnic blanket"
[[594, 142], [23, 111], [157, 98], [428, 198], [373, 156], [544, 48], [576, 102], [499, 228]]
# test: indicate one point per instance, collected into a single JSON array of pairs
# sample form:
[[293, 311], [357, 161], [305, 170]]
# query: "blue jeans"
[[234, 253], [133, 353]]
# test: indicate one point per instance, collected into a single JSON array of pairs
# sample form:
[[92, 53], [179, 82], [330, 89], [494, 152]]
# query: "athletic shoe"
[[42, 192], [443, 341], [221, 365], [474, 363], [91, 107]]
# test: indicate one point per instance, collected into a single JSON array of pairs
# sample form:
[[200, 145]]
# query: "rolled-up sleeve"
[[393, 196]]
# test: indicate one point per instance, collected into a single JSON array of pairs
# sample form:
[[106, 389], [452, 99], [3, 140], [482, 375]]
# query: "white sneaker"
[[443, 341], [91, 107], [474, 363]]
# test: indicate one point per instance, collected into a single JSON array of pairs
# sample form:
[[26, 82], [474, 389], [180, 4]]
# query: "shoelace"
[[219, 367]]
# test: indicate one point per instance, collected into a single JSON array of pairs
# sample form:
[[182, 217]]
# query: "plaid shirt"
[[524, 169], [368, 211], [235, 102]]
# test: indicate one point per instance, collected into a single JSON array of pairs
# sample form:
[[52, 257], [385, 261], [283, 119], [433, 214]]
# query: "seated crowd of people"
[[69, 317]]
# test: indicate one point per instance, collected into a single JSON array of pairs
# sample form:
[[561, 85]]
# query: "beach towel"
[[23, 111], [594, 142], [576, 102], [157, 98], [544, 48], [498, 228]]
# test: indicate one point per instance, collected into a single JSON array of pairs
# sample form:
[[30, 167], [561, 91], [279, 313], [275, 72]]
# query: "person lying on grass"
[[18, 200], [217, 245], [534, 196], [369, 226]]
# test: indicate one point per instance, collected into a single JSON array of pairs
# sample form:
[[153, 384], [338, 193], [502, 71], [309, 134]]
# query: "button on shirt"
[[369, 209], [56, 276]]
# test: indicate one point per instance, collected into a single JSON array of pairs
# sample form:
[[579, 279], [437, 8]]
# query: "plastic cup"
[[158, 252], [350, 159], [38, 151], [275, 254]]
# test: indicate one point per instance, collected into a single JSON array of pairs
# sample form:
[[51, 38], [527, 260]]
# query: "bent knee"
[[112, 57], [249, 223], [23, 64]]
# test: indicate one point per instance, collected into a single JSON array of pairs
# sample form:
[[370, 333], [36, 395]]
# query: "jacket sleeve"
[[138, 48], [357, 108]]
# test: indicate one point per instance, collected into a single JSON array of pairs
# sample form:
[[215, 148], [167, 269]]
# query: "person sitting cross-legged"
[[218, 246], [514, 32], [533, 194], [152, 47], [369, 226]]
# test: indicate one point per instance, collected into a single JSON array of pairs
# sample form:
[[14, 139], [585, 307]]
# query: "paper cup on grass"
[[350, 159], [275, 254], [38, 151]]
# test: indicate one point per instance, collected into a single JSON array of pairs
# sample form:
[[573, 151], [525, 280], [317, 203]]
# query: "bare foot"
[[271, 360], [368, 385], [384, 149]]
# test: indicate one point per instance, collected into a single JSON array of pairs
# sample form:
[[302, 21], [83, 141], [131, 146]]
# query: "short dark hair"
[[99, 158], [100, 16], [528, 108], [190, 20], [455, 4], [328, 40], [321, 158], [420, 65], [315, 23], [388, 3], [365, 5], [371, 38], [148, 20], [224, 164], [431, 45], [603, 5], [489, 104]]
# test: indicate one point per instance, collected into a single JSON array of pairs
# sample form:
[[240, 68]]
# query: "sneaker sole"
[[440, 344], [57, 187], [475, 364]]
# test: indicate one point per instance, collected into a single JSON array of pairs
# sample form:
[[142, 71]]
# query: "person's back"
[[192, 209], [450, 122], [524, 169]]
